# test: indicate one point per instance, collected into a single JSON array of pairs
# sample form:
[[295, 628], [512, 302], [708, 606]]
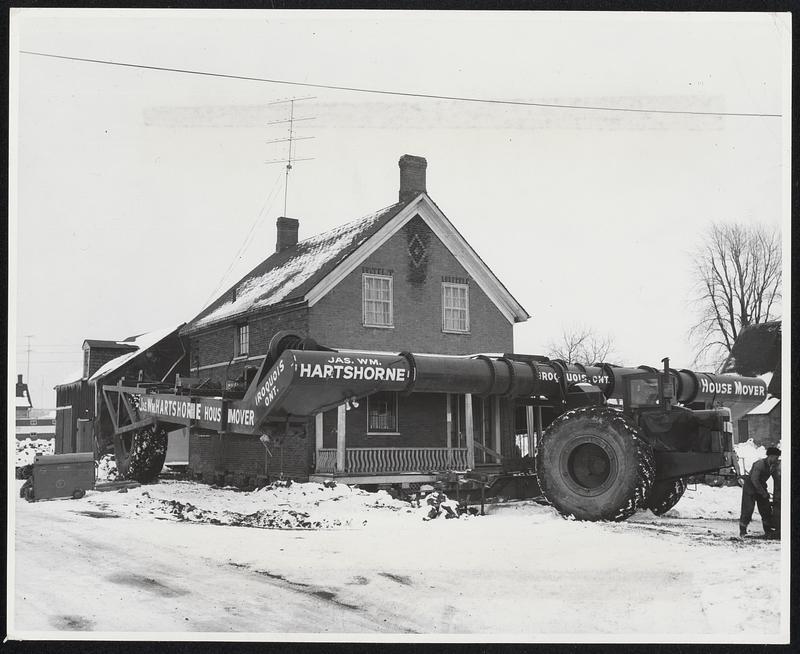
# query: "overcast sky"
[[133, 190]]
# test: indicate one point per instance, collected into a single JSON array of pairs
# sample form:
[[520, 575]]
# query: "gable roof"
[[139, 343], [289, 274], [310, 269]]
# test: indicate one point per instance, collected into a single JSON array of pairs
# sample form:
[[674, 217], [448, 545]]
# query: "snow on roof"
[[765, 407], [289, 273], [142, 343], [23, 402]]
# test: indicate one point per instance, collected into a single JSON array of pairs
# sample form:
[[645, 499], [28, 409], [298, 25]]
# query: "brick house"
[[402, 278]]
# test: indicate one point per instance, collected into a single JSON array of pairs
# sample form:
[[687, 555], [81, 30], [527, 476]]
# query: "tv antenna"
[[292, 139]]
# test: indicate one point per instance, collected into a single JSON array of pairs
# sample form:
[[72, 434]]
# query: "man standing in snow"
[[776, 500], [754, 492]]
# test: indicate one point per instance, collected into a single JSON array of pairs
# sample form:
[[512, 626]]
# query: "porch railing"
[[394, 459]]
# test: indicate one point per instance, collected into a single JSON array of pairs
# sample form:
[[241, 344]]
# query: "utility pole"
[[28, 370]]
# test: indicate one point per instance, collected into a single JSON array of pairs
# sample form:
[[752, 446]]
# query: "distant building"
[[762, 424], [30, 422]]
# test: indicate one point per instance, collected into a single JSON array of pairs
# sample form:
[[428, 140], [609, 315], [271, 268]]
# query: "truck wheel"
[[140, 456], [78, 493], [594, 465], [665, 494]]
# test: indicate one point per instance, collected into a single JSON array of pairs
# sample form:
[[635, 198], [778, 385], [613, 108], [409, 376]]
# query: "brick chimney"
[[412, 176], [287, 233]]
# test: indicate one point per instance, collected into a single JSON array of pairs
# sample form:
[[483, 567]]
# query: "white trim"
[[383, 433], [341, 438], [423, 206], [465, 287]]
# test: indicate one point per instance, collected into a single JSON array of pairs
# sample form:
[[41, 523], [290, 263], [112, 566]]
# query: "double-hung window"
[[455, 308], [382, 413], [378, 301], [242, 343]]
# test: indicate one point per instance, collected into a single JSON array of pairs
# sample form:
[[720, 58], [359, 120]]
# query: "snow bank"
[[107, 468], [282, 505], [749, 453], [710, 502], [28, 449]]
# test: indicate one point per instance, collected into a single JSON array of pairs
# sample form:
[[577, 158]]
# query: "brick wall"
[[99, 356], [245, 457], [216, 345], [336, 320]]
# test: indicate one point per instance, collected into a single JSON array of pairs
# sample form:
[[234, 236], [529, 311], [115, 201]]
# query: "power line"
[[264, 207], [407, 94]]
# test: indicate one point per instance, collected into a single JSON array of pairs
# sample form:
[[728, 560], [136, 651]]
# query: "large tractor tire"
[[665, 494], [140, 455], [594, 465]]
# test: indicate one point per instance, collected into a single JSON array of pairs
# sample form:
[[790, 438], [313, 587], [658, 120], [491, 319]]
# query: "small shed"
[[762, 424], [82, 421]]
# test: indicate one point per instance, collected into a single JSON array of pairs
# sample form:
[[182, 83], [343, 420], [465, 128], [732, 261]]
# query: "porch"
[[477, 446], [388, 465]]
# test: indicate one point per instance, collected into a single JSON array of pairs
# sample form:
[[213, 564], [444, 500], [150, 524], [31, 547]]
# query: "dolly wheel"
[[665, 494], [140, 455], [78, 493]]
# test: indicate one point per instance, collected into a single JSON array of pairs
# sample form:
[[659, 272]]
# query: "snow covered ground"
[[28, 449], [342, 563], [183, 560]]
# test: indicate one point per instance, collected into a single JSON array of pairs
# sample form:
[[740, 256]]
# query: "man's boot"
[[742, 530]]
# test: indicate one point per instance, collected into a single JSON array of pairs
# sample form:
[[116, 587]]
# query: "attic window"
[[455, 308]]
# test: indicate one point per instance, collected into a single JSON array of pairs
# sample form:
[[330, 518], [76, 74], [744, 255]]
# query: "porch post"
[[496, 410], [318, 435], [449, 422], [469, 430], [531, 428], [340, 437]]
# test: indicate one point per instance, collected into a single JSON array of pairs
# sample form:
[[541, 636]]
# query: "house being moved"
[[402, 278]]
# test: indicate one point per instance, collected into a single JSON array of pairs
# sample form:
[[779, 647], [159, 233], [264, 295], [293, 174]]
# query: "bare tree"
[[738, 278], [581, 345]]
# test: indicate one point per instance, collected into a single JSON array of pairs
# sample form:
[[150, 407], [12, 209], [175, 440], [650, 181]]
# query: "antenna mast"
[[289, 158], [292, 142]]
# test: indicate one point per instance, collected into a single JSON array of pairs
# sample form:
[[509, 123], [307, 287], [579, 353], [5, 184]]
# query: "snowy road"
[[119, 563]]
